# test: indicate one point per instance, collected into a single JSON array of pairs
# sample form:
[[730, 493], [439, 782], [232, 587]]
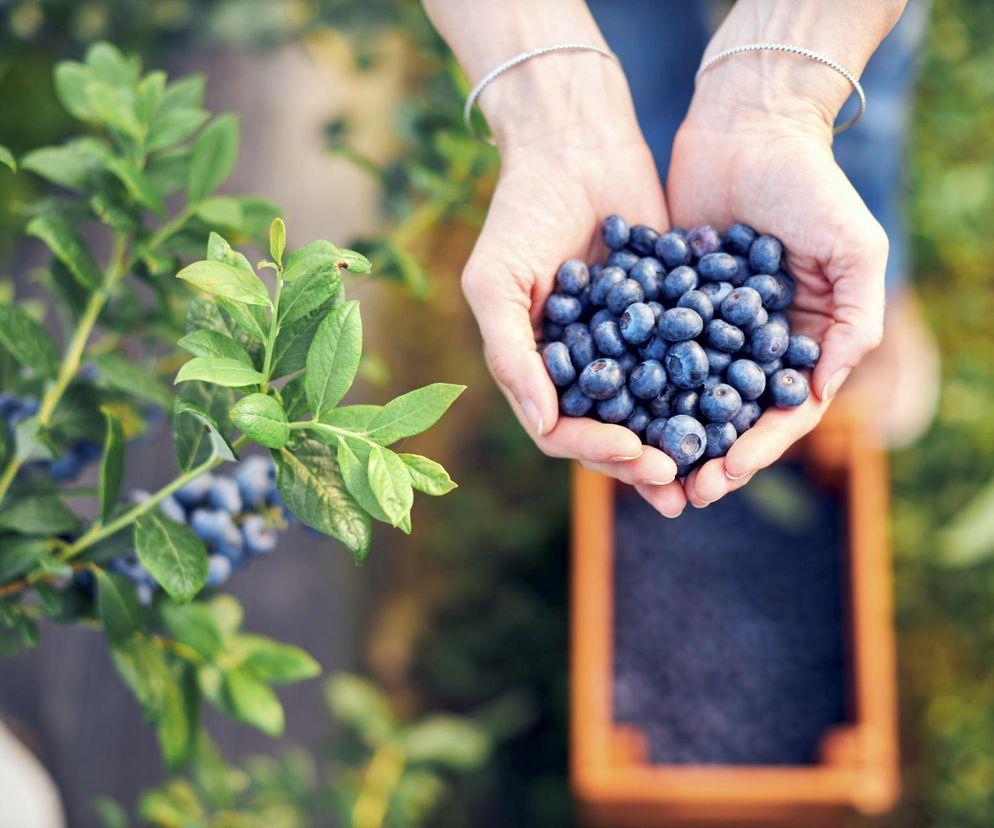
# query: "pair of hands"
[[731, 163]]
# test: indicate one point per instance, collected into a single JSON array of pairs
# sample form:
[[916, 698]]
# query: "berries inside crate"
[[736, 666]]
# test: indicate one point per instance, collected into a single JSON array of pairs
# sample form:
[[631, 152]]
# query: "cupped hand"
[[550, 199], [777, 174]]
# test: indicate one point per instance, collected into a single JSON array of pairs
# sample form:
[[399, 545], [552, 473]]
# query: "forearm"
[[549, 96], [848, 31]]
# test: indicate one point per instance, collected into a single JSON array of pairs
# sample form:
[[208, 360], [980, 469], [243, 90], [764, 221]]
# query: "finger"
[[668, 500], [592, 442], [858, 315], [653, 468], [502, 312], [710, 483], [763, 444]]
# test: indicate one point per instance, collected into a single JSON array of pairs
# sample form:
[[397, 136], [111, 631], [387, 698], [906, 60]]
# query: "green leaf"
[[250, 319], [316, 256], [353, 417], [74, 165], [110, 814], [292, 342], [38, 514], [179, 726], [358, 704], [107, 63], [70, 88], [426, 475], [311, 487], [218, 250], [117, 606], [185, 93], [142, 665], [227, 282], [172, 553], [276, 663], [121, 374], [253, 702], [114, 107], [167, 171], [447, 740], [200, 423], [111, 466], [353, 460], [214, 154], [195, 626], [294, 398], [151, 89], [221, 371], [18, 556], [353, 262], [968, 539], [308, 293], [333, 358], [413, 412], [138, 185], [31, 442], [209, 343], [170, 127], [68, 248], [223, 211], [7, 159], [277, 240], [390, 483], [262, 418], [27, 341]]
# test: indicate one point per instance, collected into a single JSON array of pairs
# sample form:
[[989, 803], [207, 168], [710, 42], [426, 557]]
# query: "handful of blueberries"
[[680, 336]]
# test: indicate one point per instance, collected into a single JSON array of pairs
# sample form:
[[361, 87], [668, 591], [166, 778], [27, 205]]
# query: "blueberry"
[[718, 361], [558, 363], [193, 493], [738, 238], [572, 276], [582, 350], [686, 402], [624, 294], [717, 291], [600, 287], [585, 304], [765, 254], [259, 535], [173, 509], [723, 336], [698, 301], [747, 416], [627, 361], [678, 324], [788, 388], [607, 336], [712, 380], [678, 281], [656, 308], [720, 403], [683, 439], [746, 377], [672, 249], [769, 342], [614, 232], [766, 286], [649, 273], [741, 306], [647, 379], [623, 259], [655, 348], [218, 571], [771, 367], [642, 239], [224, 495], [551, 331], [9, 403], [703, 239], [595, 271], [639, 420], [654, 432], [686, 364], [662, 406], [742, 271], [802, 352], [618, 408], [602, 379], [603, 315], [145, 593], [638, 323], [216, 528], [780, 318], [66, 467], [25, 408], [255, 477], [787, 290], [574, 403], [718, 267], [562, 308], [720, 437]]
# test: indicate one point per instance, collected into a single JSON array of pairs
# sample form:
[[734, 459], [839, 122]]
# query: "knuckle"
[[501, 368]]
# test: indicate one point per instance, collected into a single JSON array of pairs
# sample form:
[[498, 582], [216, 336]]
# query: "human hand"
[[774, 170]]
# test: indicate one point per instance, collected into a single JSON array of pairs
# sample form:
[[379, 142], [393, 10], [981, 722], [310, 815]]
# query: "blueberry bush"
[[258, 363]]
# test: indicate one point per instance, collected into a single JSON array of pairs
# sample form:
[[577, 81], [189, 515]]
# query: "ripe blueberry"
[[662, 406], [718, 267], [720, 403], [703, 239], [624, 294], [218, 571], [724, 337], [224, 495], [765, 254], [255, 478], [623, 259], [574, 403], [720, 437], [738, 238], [601, 379], [562, 308], [618, 408], [802, 352], [642, 239], [572, 276], [769, 342], [639, 420], [771, 367], [718, 361], [678, 324], [746, 377], [607, 336], [647, 379], [614, 232], [678, 281], [600, 287], [194, 492], [557, 361], [698, 301], [672, 249], [638, 323], [649, 273], [686, 364], [766, 286], [628, 361], [686, 402], [741, 306], [654, 432], [683, 439], [787, 290], [655, 348], [717, 291], [259, 535], [747, 416], [657, 309], [172, 509], [788, 388], [581, 346]]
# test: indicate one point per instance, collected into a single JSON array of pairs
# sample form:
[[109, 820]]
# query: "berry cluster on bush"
[[680, 336], [75, 458]]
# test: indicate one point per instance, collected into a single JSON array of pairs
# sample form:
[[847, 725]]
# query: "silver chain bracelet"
[[802, 52], [488, 78]]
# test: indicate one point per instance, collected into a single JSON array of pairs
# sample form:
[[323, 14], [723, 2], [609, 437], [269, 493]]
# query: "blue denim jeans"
[[660, 43]]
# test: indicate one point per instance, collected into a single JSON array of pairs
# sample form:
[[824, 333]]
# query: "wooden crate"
[[858, 769]]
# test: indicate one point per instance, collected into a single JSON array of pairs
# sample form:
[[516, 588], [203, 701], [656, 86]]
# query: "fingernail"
[[703, 504], [658, 482], [731, 476], [834, 384], [531, 412], [621, 458]]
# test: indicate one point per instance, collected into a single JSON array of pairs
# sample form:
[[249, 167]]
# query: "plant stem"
[[170, 227], [313, 425], [274, 329], [383, 773]]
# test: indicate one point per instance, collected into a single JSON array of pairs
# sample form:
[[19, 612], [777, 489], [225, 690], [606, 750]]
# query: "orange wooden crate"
[[613, 781]]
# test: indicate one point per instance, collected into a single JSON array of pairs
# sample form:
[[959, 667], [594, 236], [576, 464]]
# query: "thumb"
[[858, 316], [502, 310]]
